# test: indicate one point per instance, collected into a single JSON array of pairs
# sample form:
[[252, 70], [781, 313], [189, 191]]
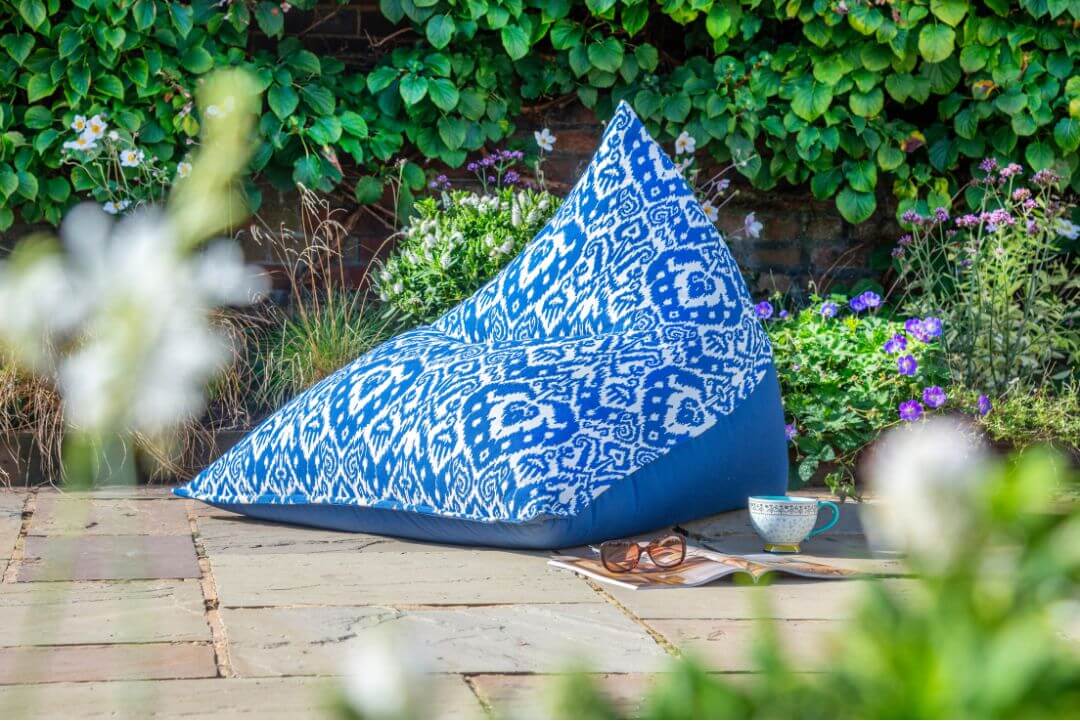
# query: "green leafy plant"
[[1025, 417], [851, 96], [845, 376], [1001, 278], [456, 243]]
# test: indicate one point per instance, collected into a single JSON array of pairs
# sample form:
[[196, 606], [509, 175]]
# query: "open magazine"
[[700, 567]]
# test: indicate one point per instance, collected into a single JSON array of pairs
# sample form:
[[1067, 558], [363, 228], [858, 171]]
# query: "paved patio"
[[128, 602]]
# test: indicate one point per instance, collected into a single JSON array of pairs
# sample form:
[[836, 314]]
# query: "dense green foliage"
[[844, 95], [455, 245], [842, 387]]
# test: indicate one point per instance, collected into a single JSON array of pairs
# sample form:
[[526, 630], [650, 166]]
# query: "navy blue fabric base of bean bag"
[[744, 454]]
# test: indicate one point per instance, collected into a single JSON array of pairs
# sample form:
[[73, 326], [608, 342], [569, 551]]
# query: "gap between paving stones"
[[11, 572], [218, 632]]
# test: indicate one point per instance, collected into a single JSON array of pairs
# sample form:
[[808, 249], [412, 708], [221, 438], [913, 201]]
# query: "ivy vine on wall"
[[851, 97]]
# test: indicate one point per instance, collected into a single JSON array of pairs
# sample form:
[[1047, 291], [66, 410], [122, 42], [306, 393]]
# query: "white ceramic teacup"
[[784, 522]]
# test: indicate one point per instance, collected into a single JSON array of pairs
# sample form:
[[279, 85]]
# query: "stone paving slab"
[[97, 612], [785, 598], [843, 551], [223, 533], [64, 515], [11, 508], [260, 698], [448, 576], [728, 645], [528, 696], [46, 664], [496, 639], [95, 558]]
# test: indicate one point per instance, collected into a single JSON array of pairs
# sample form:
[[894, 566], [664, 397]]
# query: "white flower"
[[752, 226], [183, 169], [445, 260], [79, 123], [924, 478], [385, 676], [95, 127], [131, 158], [138, 306], [710, 211], [113, 135], [1067, 228], [545, 140], [723, 185], [212, 111], [685, 144], [83, 142], [397, 288]]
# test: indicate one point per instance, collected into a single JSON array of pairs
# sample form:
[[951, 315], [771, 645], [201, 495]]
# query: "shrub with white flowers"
[[111, 166], [455, 244]]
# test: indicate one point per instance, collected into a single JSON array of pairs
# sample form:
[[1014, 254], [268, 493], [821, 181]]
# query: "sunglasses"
[[622, 556]]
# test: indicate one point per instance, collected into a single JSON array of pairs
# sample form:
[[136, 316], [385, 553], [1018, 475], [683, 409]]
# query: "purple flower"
[[911, 216], [967, 221], [912, 325], [1021, 194], [911, 410], [931, 326], [988, 165], [895, 344], [934, 396], [472, 167], [1032, 228], [984, 404], [906, 365], [941, 215], [897, 252], [904, 240], [511, 177], [783, 315], [864, 301], [1045, 177], [764, 310], [828, 309], [790, 431], [1010, 170]]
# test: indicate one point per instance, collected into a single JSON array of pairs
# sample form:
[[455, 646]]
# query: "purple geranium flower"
[[984, 404], [911, 410], [906, 365], [895, 344], [828, 309], [790, 431], [934, 396], [783, 314], [764, 310], [865, 301], [857, 304], [931, 326]]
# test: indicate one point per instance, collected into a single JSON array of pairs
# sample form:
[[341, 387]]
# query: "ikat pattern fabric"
[[622, 329]]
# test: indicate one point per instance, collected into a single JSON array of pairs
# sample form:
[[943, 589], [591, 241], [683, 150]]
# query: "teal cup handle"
[[832, 521]]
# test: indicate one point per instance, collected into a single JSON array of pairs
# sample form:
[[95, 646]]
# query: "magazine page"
[[698, 568], [701, 566]]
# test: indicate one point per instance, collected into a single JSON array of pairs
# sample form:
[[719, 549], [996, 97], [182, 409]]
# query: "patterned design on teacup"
[[784, 522], [780, 508]]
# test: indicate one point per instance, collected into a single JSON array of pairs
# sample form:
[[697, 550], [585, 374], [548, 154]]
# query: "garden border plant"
[[852, 95]]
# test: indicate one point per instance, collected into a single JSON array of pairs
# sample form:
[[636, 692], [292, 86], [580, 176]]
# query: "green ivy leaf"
[[197, 60], [936, 42], [306, 63], [270, 18], [439, 30], [1039, 155], [443, 93], [867, 105], [861, 175], [824, 185], [606, 54], [677, 107], [144, 12], [635, 17], [325, 131], [811, 99], [974, 57], [565, 34], [889, 157], [949, 11], [452, 131], [413, 88], [718, 21], [18, 46], [832, 69], [353, 124], [109, 85], [33, 12], [515, 40], [9, 180], [7, 217], [28, 185], [183, 18], [79, 79], [44, 139], [318, 99], [854, 206], [307, 171], [381, 78], [647, 57], [40, 86], [282, 100], [1067, 134]]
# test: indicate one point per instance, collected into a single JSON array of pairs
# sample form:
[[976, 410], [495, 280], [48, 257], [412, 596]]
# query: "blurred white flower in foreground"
[[386, 678], [120, 319], [925, 479]]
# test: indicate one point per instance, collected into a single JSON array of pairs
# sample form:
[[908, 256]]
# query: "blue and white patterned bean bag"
[[610, 380]]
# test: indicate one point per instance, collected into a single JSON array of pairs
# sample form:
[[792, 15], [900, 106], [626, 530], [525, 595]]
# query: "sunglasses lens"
[[669, 551], [619, 556]]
